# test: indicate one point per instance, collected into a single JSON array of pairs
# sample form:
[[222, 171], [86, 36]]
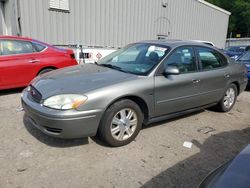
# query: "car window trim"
[[46, 47], [199, 61], [159, 69]]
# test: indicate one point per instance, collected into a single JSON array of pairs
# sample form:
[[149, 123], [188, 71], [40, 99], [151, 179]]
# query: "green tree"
[[239, 22]]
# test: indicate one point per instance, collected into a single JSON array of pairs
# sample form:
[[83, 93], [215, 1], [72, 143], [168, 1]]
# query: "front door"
[[176, 93], [16, 63]]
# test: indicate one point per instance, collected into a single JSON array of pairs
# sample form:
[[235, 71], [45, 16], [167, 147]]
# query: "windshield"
[[137, 59], [245, 57]]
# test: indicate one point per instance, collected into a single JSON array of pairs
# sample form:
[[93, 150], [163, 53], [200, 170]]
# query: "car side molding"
[[177, 114]]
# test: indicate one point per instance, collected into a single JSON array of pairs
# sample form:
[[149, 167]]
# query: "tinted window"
[[10, 47], [210, 59], [38, 47], [245, 57], [183, 58]]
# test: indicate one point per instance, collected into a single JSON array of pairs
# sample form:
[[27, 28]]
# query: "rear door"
[[214, 75], [176, 93], [18, 63]]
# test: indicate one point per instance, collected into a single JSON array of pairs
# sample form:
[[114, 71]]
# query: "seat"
[[153, 58]]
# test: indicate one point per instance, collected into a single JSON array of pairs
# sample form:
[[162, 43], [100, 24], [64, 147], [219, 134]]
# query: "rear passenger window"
[[38, 47], [210, 59], [11, 47]]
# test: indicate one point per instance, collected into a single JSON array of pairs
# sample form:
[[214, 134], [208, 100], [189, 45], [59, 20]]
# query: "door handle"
[[195, 81], [34, 61], [227, 75]]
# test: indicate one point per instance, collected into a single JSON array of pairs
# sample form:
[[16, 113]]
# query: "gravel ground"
[[155, 159]]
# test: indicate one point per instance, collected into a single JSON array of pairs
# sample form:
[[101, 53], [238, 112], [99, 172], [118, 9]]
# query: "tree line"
[[239, 22]]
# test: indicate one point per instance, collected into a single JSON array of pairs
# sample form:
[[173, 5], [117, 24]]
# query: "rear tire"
[[229, 99], [121, 123], [45, 71]]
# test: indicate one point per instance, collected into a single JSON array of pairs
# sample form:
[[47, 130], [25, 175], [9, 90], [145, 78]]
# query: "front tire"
[[229, 99], [121, 123]]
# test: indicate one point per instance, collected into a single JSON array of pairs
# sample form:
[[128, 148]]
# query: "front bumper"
[[62, 124]]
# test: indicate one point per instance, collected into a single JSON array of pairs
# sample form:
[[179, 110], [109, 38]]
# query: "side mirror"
[[171, 70]]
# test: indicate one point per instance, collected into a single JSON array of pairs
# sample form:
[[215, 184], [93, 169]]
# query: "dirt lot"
[[155, 159]]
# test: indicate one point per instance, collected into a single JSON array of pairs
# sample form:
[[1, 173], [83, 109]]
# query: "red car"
[[22, 59]]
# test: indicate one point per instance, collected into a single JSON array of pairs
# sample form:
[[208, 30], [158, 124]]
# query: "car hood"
[[236, 173], [78, 79]]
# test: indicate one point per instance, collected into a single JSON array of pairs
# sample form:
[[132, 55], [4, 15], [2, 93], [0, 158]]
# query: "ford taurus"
[[139, 84]]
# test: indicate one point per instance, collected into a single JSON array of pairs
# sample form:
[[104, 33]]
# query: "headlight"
[[65, 101]]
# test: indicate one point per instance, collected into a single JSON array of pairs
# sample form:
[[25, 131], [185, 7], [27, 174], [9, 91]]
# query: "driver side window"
[[1, 48], [183, 58]]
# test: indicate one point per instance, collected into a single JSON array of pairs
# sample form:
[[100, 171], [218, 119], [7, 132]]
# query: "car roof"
[[176, 43], [204, 41], [23, 38], [15, 37]]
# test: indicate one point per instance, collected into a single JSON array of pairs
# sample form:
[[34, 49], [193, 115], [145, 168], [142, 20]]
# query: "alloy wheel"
[[229, 97], [123, 124]]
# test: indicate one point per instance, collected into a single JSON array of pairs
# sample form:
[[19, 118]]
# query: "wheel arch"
[[136, 99], [236, 83], [48, 67]]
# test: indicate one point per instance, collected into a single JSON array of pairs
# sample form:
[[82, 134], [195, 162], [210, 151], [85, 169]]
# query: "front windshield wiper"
[[113, 67]]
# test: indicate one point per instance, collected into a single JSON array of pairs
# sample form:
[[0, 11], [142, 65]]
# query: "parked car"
[[22, 59], [234, 173], [245, 59], [141, 83], [236, 51]]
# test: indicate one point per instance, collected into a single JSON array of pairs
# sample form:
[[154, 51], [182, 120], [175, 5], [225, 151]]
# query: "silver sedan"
[[139, 84]]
